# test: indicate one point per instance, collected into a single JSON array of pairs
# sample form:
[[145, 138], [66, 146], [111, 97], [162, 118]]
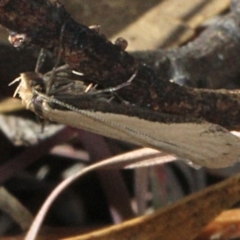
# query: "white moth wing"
[[202, 143]]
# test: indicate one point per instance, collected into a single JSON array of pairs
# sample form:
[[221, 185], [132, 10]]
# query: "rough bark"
[[46, 24]]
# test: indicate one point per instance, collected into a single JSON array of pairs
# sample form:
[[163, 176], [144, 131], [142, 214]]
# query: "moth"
[[69, 103]]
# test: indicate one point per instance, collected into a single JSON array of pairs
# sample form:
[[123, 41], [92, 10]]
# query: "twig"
[[89, 52], [10, 205]]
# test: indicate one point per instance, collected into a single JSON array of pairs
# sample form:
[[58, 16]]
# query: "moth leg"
[[51, 78], [112, 90], [40, 60], [89, 87], [120, 86], [42, 122], [77, 73]]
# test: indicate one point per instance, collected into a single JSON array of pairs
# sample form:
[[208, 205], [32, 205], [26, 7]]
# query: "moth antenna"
[[40, 60], [49, 83]]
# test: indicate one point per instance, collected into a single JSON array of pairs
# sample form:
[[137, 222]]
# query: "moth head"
[[29, 82]]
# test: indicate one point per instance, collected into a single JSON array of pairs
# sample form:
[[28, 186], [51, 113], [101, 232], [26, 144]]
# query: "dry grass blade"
[[180, 221], [143, 157], [179, 216], [108, 163], [10, 205]]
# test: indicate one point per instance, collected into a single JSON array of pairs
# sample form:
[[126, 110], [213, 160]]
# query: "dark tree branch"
[[210, 61], [46, 24]]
